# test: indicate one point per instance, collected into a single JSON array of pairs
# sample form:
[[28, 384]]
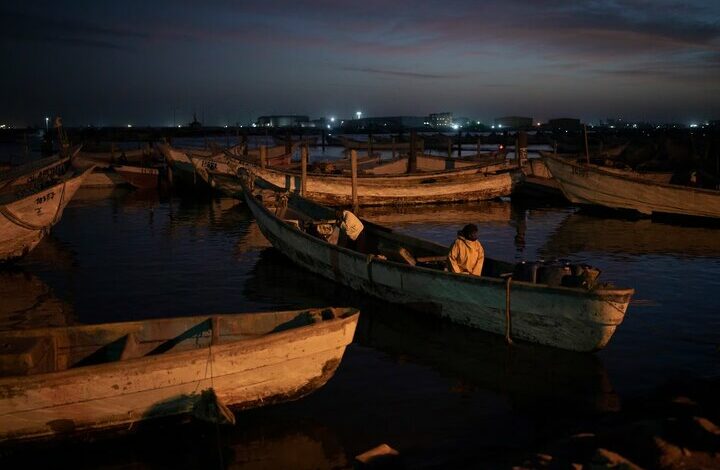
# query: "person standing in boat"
[[352, 235], [466, 254]]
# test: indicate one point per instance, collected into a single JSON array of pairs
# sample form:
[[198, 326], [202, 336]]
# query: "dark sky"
[[116, 62]]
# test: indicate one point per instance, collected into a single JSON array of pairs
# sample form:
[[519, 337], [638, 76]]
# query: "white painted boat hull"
[[24, 221], [245, 373], [573, 319], [593, 186]]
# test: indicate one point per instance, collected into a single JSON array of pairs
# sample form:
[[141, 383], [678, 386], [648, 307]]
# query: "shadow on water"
[[28, 302]]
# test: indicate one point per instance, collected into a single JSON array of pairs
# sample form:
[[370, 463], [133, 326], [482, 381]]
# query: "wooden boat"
[[37, 170], [591, 185], [104, 160], [537, 181], [577, 319], [75, 379], [469, 184], [27, 212], [180, 168], [141, 177], [103, 179], [376, 145]]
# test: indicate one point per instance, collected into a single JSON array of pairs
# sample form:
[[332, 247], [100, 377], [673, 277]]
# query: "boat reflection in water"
[[27, 302], [538, 380], [583, 232]]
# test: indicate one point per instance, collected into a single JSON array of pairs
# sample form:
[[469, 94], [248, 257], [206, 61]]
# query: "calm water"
[[440, 394]]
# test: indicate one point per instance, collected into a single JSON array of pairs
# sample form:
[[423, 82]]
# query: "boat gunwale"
[[9, 194]]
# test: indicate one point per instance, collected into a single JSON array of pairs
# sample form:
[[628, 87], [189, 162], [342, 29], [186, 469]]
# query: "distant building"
[[289, 120], [565, 124], [440, 119], [387, 121], [514, 122]]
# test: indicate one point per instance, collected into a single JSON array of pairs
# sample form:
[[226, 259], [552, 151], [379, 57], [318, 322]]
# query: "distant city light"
[[225, 126], [493, 126], [332, 119], [499, 126], [47, 120], [3, 126], [329, 126], [455, 126], [358, 114], [538, 124], [693, 125], [129, 125], [178, 125], [477, 122]]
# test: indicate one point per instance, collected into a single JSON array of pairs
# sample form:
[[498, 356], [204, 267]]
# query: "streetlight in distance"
[[47, 122], [358, 114]]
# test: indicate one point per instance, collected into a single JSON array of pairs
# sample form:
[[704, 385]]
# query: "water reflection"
[[27, 302], [582, 232]]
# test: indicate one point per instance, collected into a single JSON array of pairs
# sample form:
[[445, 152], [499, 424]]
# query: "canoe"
[[180, 168], [591, 185], [28, 212], [537, 181], [470, 184], [141, 177], [573, 318], [62, 381]]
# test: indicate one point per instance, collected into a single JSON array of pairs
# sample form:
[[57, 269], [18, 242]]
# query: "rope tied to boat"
[[508, 317]]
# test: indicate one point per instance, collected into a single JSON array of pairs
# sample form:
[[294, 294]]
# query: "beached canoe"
[[59, 381], [573, 318], [591, 185], [27, 212], [471, 184]]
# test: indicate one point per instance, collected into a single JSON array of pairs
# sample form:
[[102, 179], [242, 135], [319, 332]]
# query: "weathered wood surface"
[[432, 163], [437, 187], [141, 177], [99, 179], [27, 213], [568, 318], [591, 185], [161, 367], [85, 160]]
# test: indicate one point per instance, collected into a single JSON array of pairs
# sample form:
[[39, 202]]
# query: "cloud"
[[401, 74]]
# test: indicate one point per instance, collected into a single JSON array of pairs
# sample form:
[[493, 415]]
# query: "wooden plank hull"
[[439, 187], [573, 319], [432, 163], [244, 371], [35, 171], [138, 176], [24, 220], [594, 186]]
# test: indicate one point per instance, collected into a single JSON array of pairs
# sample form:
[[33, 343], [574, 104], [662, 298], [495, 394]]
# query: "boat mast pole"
[[587, 150]]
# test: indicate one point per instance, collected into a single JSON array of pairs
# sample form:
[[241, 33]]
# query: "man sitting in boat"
[[466, 254], [351, 231]]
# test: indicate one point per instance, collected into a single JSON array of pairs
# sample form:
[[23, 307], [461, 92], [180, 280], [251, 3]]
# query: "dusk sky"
[[112, 63]]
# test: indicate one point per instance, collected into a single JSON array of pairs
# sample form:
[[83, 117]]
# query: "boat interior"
[[44, 350]]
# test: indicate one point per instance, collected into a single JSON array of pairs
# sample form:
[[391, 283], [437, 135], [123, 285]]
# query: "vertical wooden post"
[[237, 133], [412, 156], [323, 140], [353, 169], [587, 150], [288, 142], [449, 147], [459, 143], [370, 144], [112, 152], [393, 148], [479, 143], [522, 147], [517, 148], [304, 155], [555, 146], [263, 156], [227, 139], [245, 144]]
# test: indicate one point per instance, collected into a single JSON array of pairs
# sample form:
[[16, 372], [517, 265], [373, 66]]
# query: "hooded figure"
[[466, 254]]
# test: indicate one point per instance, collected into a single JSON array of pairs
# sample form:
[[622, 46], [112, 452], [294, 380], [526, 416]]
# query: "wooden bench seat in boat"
[[26, 356]]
